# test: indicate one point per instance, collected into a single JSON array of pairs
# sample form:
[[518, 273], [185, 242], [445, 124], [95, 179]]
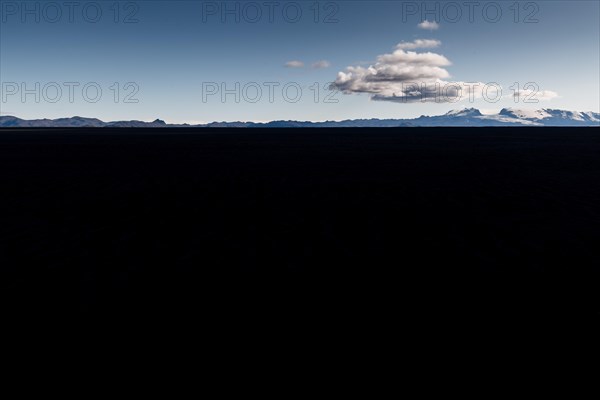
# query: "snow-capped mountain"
[[466, 112], [465, 117], [550, 117]]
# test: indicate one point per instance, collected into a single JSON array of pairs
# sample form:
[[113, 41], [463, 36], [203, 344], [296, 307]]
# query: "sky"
[[201, 61]]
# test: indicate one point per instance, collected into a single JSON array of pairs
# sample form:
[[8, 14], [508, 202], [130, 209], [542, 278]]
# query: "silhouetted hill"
[[465, 117]]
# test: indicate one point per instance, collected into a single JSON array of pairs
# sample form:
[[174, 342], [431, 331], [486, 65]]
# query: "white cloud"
[[321, 64], [431, 26], [419, 44], [532, 96], [294, 64], [408, 76]]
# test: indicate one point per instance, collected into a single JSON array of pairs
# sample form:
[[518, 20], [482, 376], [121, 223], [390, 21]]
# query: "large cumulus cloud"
[[407, 76]]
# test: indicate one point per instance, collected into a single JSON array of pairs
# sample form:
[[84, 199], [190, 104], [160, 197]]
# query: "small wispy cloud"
[[429, 25], [321, 64], [543, 95], [294, 64], [419, 44]]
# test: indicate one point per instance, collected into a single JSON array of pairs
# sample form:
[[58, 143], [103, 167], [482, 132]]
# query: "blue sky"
[[172, 56]]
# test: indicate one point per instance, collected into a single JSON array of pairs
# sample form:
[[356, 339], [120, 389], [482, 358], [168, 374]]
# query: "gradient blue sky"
[[174, 48]]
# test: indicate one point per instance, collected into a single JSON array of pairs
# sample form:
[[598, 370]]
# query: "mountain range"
[[466, 117]]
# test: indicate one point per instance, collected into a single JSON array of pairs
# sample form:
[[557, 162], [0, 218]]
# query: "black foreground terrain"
[[380, 223]]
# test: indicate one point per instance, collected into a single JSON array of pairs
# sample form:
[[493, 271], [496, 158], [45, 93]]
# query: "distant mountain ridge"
[[465, 117]]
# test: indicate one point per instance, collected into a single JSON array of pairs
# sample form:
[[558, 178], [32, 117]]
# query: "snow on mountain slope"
[[467, 112], [551, 116], [525, 114], [591, 116]]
